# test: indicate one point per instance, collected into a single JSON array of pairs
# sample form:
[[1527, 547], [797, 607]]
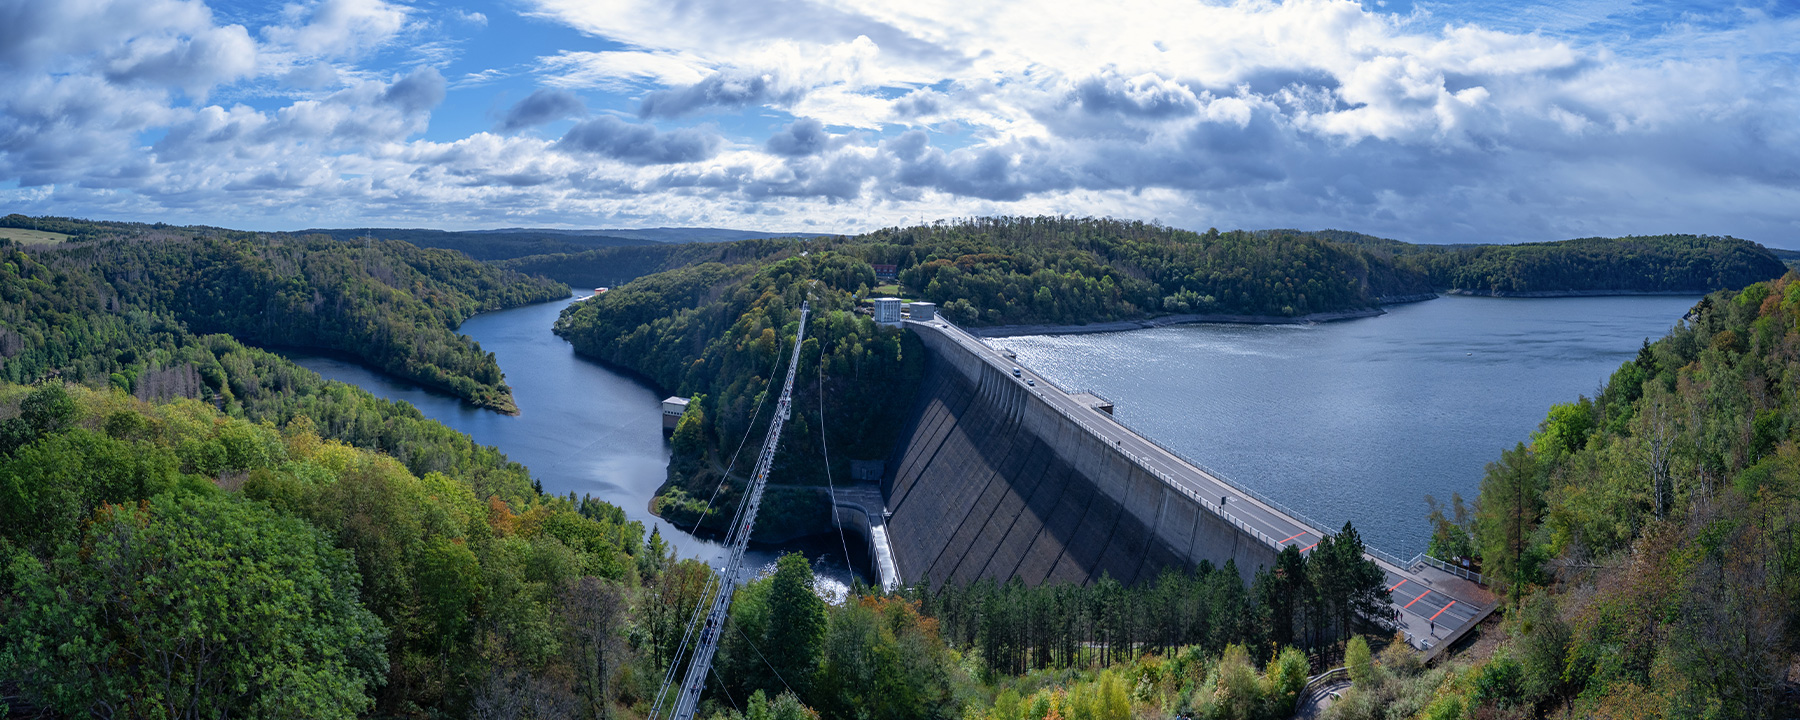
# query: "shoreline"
[[1166, 320], [1569, 293]]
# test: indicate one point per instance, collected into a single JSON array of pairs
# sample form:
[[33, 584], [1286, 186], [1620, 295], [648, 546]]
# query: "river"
[[1355, 420], [582, 428], [1358, 420]]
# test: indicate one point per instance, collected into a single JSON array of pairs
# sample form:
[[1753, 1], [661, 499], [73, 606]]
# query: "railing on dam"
[[1321, 528]]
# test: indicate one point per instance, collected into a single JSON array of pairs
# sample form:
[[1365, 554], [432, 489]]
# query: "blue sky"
[[1425, 121]]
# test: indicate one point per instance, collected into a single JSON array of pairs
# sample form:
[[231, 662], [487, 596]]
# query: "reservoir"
[[582, 427], [1355, 420], [1358, 420]]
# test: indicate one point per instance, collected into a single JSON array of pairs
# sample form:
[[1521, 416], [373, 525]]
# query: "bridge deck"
[[1435, 607]]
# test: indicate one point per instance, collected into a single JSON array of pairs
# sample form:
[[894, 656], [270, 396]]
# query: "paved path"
[[1435, 607]]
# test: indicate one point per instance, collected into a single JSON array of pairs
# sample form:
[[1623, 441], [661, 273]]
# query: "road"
[[1434, 607]]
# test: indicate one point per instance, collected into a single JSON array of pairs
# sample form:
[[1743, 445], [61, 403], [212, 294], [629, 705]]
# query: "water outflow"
[[714, 608]]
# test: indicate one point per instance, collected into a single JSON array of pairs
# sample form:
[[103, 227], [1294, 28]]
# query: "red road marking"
[[1440, 612], [1398, 584], [1290, 537], [1414, 600], [1309, 547]]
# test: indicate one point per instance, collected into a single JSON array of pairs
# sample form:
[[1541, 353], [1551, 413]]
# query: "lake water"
[[1359, 420], [582, 427], [1354, 420]]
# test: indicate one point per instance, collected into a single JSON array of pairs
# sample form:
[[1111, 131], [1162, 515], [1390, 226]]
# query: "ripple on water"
[[1359, 420]]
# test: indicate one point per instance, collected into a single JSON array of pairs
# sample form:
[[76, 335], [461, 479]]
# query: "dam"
[[1001, 474]]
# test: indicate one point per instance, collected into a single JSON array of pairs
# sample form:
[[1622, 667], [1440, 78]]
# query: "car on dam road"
[[1015, 372]]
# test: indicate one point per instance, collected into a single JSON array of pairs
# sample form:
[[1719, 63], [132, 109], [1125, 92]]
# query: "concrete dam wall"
[[997, 479]]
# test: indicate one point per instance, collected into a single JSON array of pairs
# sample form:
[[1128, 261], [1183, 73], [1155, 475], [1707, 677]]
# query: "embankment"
[[990, 481]]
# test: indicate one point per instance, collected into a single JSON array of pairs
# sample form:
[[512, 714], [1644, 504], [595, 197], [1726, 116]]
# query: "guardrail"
[[1318, 682], [1320, 528], [1469, 575], [1408, 565], [1143, 464]]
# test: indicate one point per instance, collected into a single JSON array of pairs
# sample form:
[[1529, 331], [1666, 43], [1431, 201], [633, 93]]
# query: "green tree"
[[1450, 538], [46, 410], [1565, 429], [797, 620], [193, 606], [1287, 675], [1511, 506], [1358, 662]]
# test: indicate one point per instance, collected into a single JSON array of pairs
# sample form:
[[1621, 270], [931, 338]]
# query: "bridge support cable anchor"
[[711, 613]]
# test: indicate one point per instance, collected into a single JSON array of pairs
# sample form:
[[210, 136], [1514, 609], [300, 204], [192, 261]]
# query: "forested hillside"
[[486, 245], [167, 560], [1648, 539], [92, 309], [616, 266], [1661, 263], [356, 587], [992, 271], [716, 332]]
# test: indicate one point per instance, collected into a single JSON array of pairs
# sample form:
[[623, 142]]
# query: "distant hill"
[[672, 234], [1790, 258], [487, 244], [510, 243]]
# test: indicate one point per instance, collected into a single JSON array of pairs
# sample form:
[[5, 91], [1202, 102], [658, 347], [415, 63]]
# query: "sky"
[[1451, 121]]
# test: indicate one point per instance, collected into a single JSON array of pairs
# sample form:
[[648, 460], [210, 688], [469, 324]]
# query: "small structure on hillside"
[[886, 272], [887, 310], [921, 312], [673, 408]]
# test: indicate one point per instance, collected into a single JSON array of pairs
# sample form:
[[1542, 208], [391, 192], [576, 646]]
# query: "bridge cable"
[[740, 447], [765, 659], [836, 518], [711, 614], [722, 690]]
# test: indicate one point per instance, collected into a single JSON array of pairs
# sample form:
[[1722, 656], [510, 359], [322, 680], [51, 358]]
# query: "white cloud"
[[337, 28], [867, 112]]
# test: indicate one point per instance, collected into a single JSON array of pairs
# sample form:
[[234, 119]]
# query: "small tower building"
[[887, 311]]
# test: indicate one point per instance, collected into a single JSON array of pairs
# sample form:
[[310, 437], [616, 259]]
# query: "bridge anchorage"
[[710, 613]]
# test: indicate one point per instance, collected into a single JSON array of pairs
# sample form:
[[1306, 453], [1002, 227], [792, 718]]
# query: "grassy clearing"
[[32, 237]]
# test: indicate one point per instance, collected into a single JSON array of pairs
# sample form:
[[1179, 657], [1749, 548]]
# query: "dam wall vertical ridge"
[[990, 481]]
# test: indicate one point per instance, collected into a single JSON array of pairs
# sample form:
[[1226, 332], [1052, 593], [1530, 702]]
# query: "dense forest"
[[1661, 263], [1646, 540], [94, 309], [619, 265], [1014, 270], [715, 333], [488, 245], [167, 559]]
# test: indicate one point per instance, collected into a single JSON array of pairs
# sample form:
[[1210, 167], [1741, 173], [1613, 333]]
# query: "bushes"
[[193, 605], [339, 578]]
